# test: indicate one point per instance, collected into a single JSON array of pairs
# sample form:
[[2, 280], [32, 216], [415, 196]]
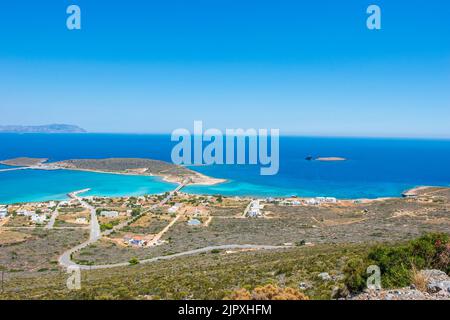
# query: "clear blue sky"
[[305, 67]]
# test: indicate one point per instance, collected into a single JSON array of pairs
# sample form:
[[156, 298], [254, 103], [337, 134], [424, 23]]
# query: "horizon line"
[[298, 135]]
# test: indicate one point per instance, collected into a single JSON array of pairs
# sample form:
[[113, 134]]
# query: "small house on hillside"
[[3, 212], [81, 220], [109, 214], [194, 222], [174, 208], [25, 213], [38, 219], [134, 240]]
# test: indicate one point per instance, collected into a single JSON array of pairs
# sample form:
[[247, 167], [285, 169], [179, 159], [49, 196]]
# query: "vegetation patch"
[[399, 263]]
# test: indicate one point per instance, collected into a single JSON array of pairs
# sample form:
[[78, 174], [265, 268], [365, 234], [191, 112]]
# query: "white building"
[[3, 212], [312, 201], [38, 219], [51, 204], [81, 220], [253, 213], [135, 240], [254, 210], [109, 214], [174, 208], [330, 200], [25, 213], [194, 222], [319, 200]]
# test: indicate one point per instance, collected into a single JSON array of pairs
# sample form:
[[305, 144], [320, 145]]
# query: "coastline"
[[193, 178], [202, 181], [413, 192]]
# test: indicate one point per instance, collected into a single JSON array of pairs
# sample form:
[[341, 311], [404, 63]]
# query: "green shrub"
[[300, 243], [106, 226], [431, 251], [355, 274]]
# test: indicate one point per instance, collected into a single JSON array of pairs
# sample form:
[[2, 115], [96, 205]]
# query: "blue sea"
[[375, 167]]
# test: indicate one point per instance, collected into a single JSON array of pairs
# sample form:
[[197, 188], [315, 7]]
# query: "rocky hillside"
[[434, 285]]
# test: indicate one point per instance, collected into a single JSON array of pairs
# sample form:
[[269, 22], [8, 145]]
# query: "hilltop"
[[139, 166]]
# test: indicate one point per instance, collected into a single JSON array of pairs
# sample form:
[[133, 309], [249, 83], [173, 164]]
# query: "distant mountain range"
[[51, 128]]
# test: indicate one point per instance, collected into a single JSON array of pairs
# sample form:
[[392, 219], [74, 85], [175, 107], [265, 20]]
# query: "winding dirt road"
[[65, 260]]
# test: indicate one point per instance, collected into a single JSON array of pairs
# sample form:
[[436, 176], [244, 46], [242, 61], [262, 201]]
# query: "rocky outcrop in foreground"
[[436, 287]]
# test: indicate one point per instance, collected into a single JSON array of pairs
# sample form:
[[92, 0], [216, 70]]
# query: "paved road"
[[163, 231], [53, 217], [153, 207], [176, 255], [65, 259], [95, 226]]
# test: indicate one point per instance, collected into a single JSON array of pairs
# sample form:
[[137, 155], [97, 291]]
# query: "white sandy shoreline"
[[199, 179], [203, 179]]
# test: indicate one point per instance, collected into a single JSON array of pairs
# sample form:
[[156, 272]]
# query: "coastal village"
[[136, 228], [138, 213], [93, 232], [143, 223]]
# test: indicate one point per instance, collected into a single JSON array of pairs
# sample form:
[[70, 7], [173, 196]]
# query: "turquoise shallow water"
[[375, 167], [348, 190], [41, 185]]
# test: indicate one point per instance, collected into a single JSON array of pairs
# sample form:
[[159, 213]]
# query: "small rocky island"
[[330, 159], [325, 159]]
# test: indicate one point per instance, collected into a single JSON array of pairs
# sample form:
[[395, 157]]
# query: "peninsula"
[[129, 166], [23, 162]]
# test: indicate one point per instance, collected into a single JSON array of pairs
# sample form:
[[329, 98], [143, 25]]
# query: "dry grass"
[[268, 292], [418, 279], [10, 237]]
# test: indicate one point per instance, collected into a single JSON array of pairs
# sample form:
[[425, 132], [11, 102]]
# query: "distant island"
[[330, 159], [51, 128], [310, 158]]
